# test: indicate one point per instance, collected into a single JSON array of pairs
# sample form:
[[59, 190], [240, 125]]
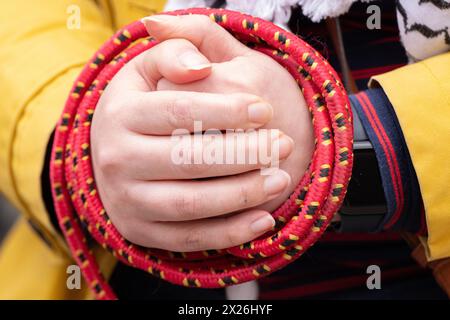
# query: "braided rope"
[[300, 220]]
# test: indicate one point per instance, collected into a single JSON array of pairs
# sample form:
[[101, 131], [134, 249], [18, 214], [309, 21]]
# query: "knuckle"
[[124, 227], [188, 205], [232, 237], [168, 48], [237, 104], [196, 161], [193, 241], [183, 205], [243, 196], [112, 108], [130, 228], [179, 113], [107, 160], [203, 21], [122, 195]]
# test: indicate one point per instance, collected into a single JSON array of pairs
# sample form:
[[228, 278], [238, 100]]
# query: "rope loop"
[[301, 219]]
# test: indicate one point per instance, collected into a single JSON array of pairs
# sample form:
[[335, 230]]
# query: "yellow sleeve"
[[39, 59], [420, 94]]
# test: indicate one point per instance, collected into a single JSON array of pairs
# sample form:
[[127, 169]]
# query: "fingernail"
[[276, 183], [156, 23], [262, 224], [194, 61], [151, 23], [157, 18], [260, 113], [285, 146]]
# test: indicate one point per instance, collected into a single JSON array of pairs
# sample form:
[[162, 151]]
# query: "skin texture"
[[198, 72]]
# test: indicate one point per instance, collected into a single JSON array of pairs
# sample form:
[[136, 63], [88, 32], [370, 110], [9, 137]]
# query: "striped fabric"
[[405, 207], [369, 52], [336, 268]]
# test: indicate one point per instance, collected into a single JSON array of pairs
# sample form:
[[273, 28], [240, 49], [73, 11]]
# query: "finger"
[[163, 112], [212, 154], [177, 60], [218, 233], [192, 200], [212, 40], [237, 75]]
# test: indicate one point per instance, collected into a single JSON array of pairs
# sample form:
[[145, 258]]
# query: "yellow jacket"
[[40, 58]]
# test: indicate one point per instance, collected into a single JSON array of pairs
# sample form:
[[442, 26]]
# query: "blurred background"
[[8, 214]]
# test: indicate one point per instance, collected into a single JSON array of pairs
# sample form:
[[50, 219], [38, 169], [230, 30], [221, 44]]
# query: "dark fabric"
[[368, 52], [134, 284], [336, 268]]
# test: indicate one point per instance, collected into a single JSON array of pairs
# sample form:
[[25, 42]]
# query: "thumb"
[[211, 39], [176, 60]]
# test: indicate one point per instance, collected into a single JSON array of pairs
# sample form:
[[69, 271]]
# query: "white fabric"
[[422, 45], [182, 4], [318, 10], [277, 11]]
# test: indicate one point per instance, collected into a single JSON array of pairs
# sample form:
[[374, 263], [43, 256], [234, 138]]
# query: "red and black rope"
[[301, 219]]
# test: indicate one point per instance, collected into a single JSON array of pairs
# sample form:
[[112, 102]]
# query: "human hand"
[[237, 68], [152, 201]]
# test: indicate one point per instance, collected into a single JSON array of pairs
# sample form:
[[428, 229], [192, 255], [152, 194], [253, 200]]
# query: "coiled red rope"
[[300, 220]]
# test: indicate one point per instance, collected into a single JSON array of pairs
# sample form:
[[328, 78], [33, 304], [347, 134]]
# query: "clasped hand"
[[198, 73]]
